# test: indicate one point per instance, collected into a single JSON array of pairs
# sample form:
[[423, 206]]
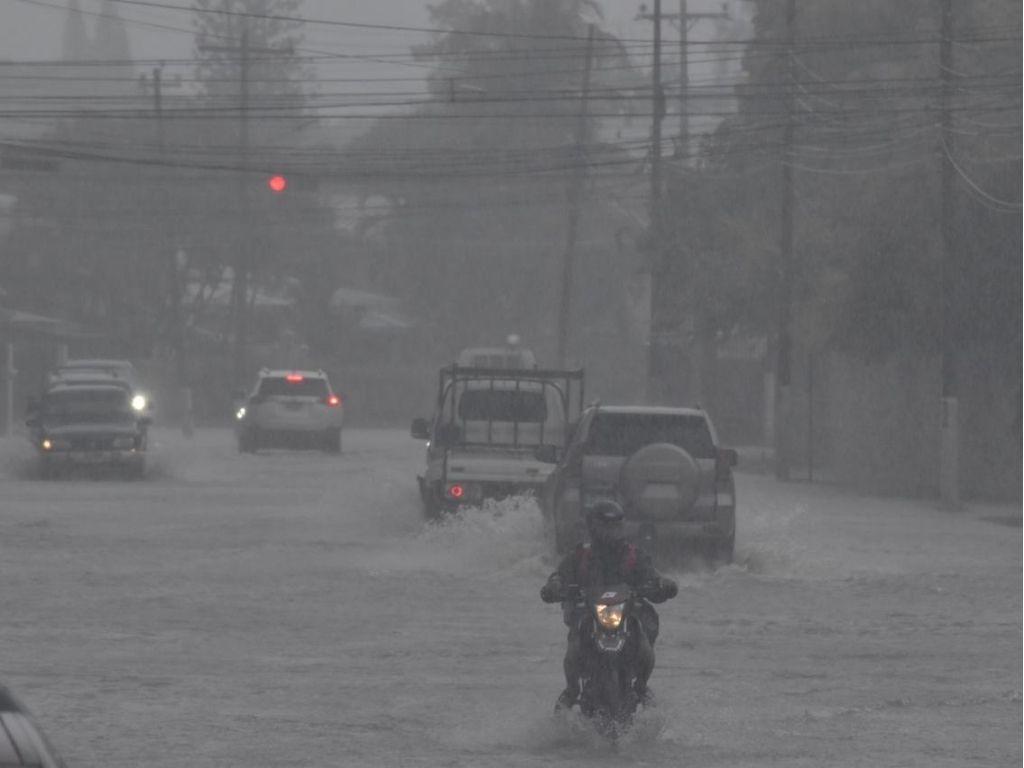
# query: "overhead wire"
[[728, 91], [1005, 204], [787, 44], [518, 35]]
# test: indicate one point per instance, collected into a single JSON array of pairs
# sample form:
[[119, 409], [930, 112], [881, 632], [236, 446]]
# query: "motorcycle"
[[610, 647]]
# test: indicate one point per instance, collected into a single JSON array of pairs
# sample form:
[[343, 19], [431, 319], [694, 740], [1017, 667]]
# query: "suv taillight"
[[333, 401], [725, 460]]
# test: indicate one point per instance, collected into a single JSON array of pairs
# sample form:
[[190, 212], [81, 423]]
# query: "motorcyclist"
[[608, 558]]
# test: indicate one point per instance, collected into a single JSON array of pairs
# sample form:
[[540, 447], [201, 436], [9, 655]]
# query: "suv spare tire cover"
[[660, 464]]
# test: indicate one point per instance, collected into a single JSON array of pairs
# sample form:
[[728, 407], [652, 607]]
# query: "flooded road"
[[293, 609]]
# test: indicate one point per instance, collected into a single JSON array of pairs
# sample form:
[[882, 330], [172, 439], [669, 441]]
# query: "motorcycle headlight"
[[139, 402], [124, 443], [609, 616]]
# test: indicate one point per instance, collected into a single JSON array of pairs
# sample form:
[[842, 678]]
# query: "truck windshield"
[[621, 434], [503, 405], [83, 405]]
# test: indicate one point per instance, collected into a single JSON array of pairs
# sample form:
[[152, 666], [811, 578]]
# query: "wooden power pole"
[[575, 199], [656, 342], [242, 265], [784, 273], [949, 460], [662, 290], [174, 282]]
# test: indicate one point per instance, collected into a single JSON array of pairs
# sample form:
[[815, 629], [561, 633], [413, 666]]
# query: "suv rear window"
[[502, 405], [279, 386], [621, 434]]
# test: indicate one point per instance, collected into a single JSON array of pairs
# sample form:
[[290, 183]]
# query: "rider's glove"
[[552, 591], [669, 588], [661, 590]]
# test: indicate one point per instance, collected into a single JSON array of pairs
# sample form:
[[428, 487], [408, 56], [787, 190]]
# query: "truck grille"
[[92, 443]]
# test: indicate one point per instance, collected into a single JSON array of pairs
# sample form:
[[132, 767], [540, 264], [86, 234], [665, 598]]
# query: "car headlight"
[[609, 616], [54, 444], [240, 413], [123, 443], [138, 402]]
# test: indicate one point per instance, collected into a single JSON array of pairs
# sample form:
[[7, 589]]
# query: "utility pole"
[[173, 279], [242, 265], [575, 196], [662, 288], [701, 353], [684, 20], [183, 393], [243, 256], [949, 460], [655, 344], [784, 271], [684, 81]]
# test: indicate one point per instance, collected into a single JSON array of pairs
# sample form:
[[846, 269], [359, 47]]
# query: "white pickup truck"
[[496, 432]]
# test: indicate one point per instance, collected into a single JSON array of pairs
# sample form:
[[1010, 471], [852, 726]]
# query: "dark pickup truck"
[[88, 426]]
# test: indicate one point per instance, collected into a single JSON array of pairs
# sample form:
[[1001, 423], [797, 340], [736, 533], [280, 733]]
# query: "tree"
[[274, 71], [250, 63], [865, 154], [871, 139], [477, 177]]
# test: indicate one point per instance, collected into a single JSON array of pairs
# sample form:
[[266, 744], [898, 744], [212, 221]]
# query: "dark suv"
[[663, 464]]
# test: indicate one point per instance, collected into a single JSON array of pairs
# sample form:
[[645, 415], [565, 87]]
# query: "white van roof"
[[496, 357]]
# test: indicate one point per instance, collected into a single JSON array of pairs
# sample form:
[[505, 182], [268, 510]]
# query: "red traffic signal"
[[277, 184]]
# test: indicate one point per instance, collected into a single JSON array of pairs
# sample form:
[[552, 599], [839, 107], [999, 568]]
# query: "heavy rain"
[[331, 331]]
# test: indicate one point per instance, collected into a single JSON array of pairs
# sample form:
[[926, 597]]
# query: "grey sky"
[[32, 29]]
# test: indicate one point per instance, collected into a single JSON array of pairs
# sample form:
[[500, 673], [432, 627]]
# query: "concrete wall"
[[876, 426]]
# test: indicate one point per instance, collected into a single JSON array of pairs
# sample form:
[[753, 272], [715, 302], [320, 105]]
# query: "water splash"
[[506, 536]]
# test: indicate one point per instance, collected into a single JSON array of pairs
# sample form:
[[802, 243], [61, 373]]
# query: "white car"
[[290, 409]]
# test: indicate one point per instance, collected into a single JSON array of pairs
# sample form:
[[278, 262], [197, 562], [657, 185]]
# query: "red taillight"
[[725, 460], [294, 378], [456, 491], [333, 401]]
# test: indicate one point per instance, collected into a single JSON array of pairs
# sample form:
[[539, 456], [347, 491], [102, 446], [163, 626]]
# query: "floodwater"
[[293, 609]]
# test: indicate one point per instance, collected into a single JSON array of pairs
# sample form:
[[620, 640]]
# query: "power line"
[[1006, 204], [270, 112], [738, 87], [812, 41], [346, 24]]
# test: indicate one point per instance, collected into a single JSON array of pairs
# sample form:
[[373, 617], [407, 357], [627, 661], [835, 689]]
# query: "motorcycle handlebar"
[[576, 593]]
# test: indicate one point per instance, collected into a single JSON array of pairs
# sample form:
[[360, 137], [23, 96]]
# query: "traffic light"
[[277, 184]]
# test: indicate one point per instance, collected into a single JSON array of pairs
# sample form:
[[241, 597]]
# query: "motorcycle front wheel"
[[610, 701]]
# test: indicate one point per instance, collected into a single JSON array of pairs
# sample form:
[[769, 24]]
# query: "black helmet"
[[605, 522]]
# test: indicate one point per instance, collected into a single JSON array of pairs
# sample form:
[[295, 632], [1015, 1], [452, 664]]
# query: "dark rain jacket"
[[592, 566]]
